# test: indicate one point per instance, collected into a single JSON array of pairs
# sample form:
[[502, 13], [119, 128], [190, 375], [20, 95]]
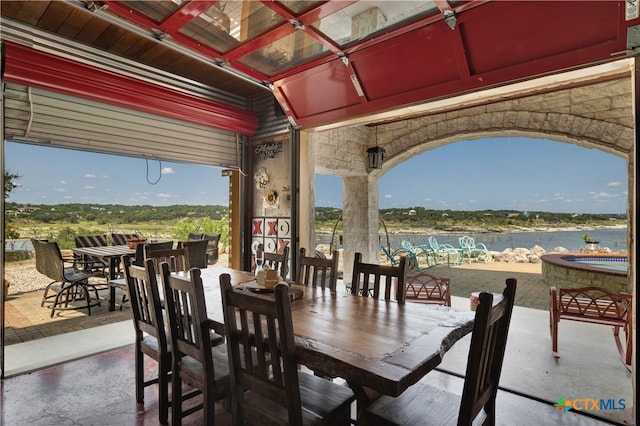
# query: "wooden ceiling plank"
[[57, 13], [94, 28], [76, 22]]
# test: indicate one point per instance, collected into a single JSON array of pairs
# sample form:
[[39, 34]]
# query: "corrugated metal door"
[[47, 118], [273, 122]]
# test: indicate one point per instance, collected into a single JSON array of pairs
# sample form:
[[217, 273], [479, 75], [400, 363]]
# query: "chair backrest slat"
[[367, 279]]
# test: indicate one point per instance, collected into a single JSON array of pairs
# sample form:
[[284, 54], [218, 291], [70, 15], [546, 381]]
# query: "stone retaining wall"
[[566, 277]]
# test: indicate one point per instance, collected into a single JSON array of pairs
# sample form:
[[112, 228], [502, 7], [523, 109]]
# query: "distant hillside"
[[481, 220], [107, 213], [416, 217]]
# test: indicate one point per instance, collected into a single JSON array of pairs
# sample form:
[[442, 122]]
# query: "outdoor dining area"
[[97, 256]]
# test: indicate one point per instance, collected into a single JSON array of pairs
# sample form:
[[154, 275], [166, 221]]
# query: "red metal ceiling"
[[497, 43], [493, 43]]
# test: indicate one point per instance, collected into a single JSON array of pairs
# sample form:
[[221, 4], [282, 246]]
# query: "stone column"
[[360, 220], [306, 196]]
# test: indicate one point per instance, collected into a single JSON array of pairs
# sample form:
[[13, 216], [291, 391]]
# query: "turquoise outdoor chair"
[[394, 258], [440, 251], [472, 250], [420, 252]]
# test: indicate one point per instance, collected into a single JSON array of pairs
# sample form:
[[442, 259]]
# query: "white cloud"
[[388, 196], [90, 176], [67, 197], [601, 195], [614, 184], [89, 187], [163, 195], [60, 190], [167, 171], [63, 182]]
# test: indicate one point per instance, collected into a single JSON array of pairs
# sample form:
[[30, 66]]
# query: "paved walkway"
[[532, 291]]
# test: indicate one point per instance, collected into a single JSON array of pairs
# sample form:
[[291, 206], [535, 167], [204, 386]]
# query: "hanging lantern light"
[[375, 155]]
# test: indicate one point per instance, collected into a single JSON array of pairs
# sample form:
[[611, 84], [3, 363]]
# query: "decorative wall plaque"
[[268, 150]]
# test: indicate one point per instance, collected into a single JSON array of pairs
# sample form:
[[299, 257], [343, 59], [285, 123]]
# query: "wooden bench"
[[594, 305], [428, 288]]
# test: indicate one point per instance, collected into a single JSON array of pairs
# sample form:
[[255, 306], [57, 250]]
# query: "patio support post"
[[360, 220]]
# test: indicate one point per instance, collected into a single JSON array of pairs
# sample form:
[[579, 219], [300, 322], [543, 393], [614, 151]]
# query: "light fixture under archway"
[[375, 155]]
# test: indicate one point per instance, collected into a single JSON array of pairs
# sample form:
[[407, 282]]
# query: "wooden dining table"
[[373, 344]]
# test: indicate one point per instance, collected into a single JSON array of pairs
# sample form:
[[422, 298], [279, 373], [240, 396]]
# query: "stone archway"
[[598, 115]]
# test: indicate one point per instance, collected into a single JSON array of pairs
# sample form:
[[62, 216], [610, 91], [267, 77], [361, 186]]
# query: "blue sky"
[[500, 173]]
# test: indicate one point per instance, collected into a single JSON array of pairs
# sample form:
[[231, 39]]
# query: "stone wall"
[[563, 277]]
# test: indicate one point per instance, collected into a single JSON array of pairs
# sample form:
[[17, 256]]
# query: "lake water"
[[615, 239]]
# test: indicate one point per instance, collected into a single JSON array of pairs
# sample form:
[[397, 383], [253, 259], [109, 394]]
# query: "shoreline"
[[473, 230]]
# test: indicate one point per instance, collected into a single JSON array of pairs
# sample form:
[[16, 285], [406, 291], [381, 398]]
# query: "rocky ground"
[[24, 278]]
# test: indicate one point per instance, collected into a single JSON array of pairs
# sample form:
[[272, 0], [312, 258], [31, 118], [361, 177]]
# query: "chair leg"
[[46, 292], [139, 366], [176, 397], [163, 389], [208, 405], [625, 351], [64, 292], [85, 291], [553, 325]]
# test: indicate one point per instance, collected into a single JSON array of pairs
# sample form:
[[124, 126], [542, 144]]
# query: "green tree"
[[10, 182], [10, 232]]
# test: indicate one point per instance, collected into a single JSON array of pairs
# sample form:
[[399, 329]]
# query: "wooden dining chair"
[[266, 385], [379, 280], [317, 271], [150, 333], [178, 259], [427, 405], [195, 361], [428, 288], [278, 261]]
